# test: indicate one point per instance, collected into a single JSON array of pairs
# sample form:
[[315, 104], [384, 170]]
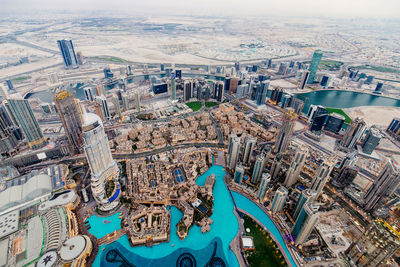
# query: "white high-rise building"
[[125, 101], [262, 189], [117, 107], [258, 168], [305, 223], [105, 111], [295, 167], [104, 169], [279, 199], [320, 179], [286, 131], [239, 173], [234, 149], [248, 150], [384, 186]]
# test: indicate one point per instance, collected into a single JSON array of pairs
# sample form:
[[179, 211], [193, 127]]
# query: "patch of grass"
[[378, 69], [330, 65], [341, 112], [195, 105], [111, 59], [266, 253], [210, 104], [21, 79]]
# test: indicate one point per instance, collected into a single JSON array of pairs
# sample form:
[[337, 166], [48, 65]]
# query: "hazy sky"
[[329, 8]]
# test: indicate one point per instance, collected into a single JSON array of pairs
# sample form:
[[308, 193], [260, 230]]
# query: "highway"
[[121, 156]]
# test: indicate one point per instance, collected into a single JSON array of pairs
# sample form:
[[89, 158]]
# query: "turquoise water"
[[244, 203], [100, 229], [345, 99], [224, 228]]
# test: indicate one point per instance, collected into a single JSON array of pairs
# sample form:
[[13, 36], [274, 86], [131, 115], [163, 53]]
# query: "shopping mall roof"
[[9, 223], [72, 248]]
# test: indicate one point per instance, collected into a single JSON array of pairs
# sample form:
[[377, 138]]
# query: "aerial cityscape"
[[209, 139]]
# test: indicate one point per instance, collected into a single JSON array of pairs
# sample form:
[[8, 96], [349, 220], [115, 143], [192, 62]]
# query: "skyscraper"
[[295, 167], [105, 111], [263, 187], [353, 134], [276, 167], [334, 123], [10, 85], [173, 89], [137, 102], [219, 91], [261, 93], [117, 107], [307, 196], [89, 95], [371, 140], [316, 59], [375, 247], [304, 79], [258, 168], [187, 90], [239, 172], [8, 139], [349, 160], [248, 150], [104, 170], [285, 133], [305, 223], [22, 113], [320, 178], [234, 152], [345, 177], [68, 53], [384, 186], [71, 117], [125, 101], [279, 199]]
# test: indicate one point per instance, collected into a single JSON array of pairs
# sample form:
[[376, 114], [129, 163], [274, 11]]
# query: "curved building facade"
[[103, 167]]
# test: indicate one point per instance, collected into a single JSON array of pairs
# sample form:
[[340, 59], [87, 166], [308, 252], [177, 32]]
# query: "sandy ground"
[[381, 116]]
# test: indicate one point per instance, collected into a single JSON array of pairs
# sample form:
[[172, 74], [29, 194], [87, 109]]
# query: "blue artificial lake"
[[209, 249], [255, 211], [345, 99], [202, 248]]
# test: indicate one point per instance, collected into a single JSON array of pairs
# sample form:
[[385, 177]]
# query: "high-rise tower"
[[173, 89], [305, 223], [262, 189], [258, 168], [307, 196], [22, 113], [105, 111], [104, 170], [384, 186], [353, 134], [296, 166], [320, 178], [248, 150], [316, 59], [285, 133], [8, 139], [68, 53], [239, 172], [233, 153], [70, 113], [279, 199]]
